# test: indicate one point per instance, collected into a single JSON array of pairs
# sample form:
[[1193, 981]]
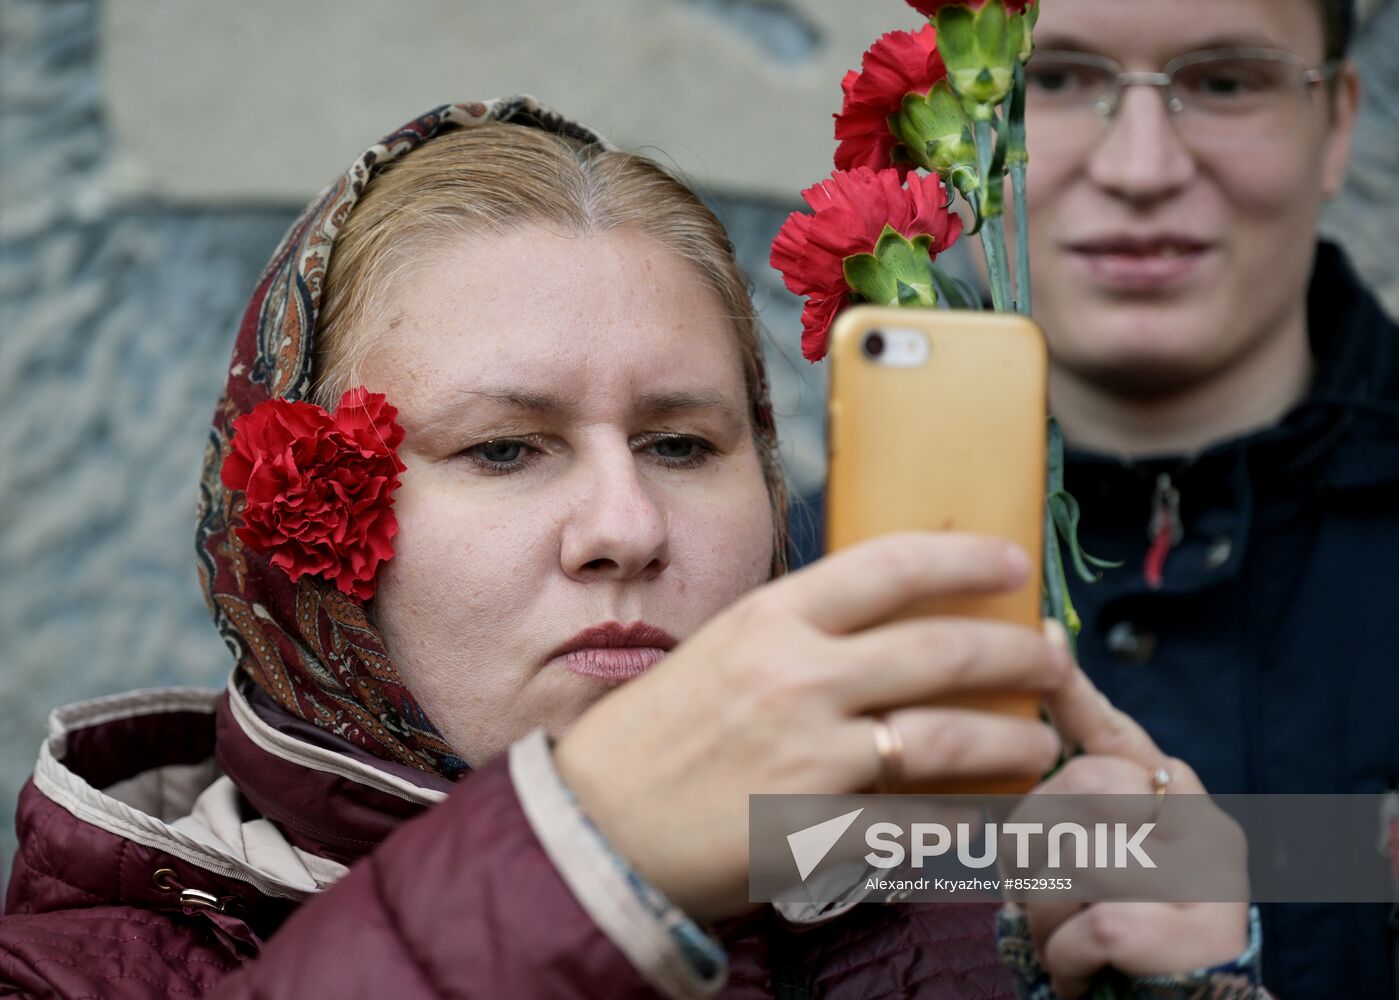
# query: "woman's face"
[[579, 456]]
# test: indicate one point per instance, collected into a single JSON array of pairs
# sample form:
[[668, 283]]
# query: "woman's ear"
[[1344, 96]]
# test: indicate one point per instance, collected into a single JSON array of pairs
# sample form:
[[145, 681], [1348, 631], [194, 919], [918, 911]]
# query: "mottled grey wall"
[[116, 321]]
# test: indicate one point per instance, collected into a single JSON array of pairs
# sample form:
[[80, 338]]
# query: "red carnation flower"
[[319, 486], [930, 8], [849, 211], [900, 63]]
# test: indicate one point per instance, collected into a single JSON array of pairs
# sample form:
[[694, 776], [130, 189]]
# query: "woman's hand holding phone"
[[937, 423], [778, 695]]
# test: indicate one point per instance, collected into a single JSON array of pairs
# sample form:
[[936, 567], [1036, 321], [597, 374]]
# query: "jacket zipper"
[[1164, 530]]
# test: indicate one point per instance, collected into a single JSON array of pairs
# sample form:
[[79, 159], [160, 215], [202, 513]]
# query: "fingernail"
[[1017, 561]]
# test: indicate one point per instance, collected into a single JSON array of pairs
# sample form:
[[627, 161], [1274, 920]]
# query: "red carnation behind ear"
[[319, 487]]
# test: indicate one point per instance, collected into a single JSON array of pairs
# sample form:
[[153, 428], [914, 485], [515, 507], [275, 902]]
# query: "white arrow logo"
[[810, 846]]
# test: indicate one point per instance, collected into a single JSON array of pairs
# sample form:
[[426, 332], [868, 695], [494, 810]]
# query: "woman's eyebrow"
[[651, 403], [685, 399], [519, 398]]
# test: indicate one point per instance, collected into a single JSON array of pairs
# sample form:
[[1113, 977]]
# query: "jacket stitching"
[[35, 874], [8, 958], [22, 874], [160, 947], [195, 989], [34, 966], [38, 841], [37, 857]]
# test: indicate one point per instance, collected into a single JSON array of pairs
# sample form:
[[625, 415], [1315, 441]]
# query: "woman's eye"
[[502, 451], [675, 447], [679, 451], [505, 455]]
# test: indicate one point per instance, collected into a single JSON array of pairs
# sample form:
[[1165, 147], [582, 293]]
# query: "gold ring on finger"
[[889, 745]]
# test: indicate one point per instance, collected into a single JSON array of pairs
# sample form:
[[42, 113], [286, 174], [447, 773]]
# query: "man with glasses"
[[1229, 394], [1230, 397]]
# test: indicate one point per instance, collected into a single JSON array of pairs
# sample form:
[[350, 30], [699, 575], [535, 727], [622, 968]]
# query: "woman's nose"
[[618, 529], [1141, 157]]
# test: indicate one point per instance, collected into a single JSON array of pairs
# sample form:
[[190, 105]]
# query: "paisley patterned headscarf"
[[311, 648]]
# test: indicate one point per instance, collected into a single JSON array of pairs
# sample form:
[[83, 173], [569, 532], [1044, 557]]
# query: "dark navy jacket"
[[1268, 656]]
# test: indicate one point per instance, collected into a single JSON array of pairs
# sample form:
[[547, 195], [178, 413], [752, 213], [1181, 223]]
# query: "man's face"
[[1159, 260]]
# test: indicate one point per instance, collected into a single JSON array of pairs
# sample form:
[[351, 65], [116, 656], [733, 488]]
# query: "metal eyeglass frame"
[[1164, 80]]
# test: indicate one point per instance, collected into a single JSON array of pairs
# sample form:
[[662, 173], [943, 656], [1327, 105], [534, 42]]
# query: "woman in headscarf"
[[550, 343]]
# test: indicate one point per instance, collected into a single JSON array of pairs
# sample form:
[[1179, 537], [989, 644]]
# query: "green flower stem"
[[1058, 603], [1056, 584], [993, 239], [1022, 241], [1019, 159]]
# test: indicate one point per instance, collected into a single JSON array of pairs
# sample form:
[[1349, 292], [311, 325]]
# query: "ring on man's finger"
[[1160, 778]]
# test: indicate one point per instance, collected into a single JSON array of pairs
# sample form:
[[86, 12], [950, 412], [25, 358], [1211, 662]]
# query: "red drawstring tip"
[[1154, 568]]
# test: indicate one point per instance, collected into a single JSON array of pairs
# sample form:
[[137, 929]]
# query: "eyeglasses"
[[1219, 98]]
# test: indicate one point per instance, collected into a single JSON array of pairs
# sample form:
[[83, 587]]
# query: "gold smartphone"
[[936, 422]]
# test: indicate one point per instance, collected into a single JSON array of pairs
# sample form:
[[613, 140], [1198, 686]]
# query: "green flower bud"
[[937, 135], [898, 273], [980, 50], [1028, 21]]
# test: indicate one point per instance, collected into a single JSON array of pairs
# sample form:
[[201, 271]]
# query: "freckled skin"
[[493, 571]]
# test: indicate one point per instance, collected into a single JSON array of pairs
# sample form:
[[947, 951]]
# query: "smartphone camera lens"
[[874, 344]]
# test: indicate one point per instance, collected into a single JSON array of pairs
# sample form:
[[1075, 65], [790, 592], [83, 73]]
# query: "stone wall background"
[[116, 319]]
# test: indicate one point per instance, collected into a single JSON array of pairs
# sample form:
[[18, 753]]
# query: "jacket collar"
[[326, 795], [174, 771]]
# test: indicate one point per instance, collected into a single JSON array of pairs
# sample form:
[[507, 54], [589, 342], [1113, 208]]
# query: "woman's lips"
[[614, 665], [1153, 271], [613, 652]]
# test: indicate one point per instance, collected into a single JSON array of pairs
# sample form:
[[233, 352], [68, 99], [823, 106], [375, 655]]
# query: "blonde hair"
[[492, 178]]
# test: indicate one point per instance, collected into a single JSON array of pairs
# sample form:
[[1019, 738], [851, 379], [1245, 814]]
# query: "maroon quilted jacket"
[[189, 843]]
